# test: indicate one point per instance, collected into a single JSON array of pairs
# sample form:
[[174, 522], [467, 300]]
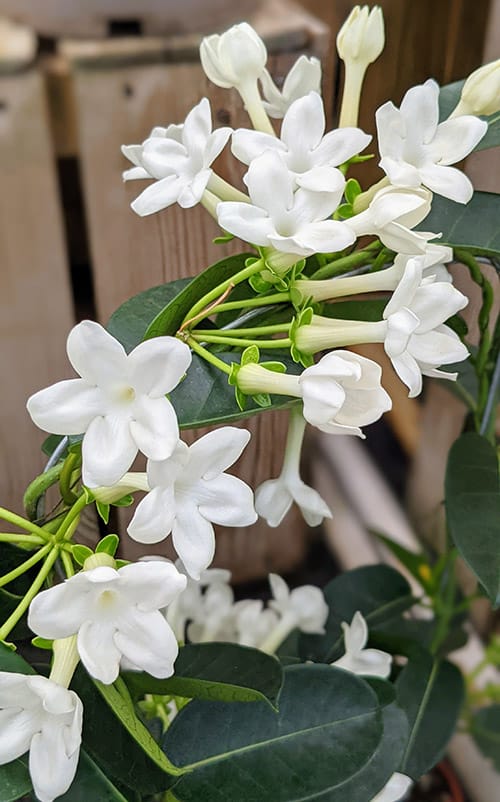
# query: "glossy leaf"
[[431, 693], [14, 781], [216, 671], [472, 496], [379, 592], [485, 729], [370, 310], [329, 740], [448, 99], [474, 225]]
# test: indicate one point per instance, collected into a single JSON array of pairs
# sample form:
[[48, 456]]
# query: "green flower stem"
[[22, 523], [23, 605], [25, 566], [21, 540], [242, 343], [207, 355], [38, 487], [71, 462], [347, 263], [72, 519], [256, 330], [221, 288], [67, 562], [251, 303]]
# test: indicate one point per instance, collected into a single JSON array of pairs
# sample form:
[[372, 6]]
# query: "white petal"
[[156, 366], [320, 179], [135, 173], [154, 516], [456, 138], [407, 287], [108, 451], [133, 153], [400, 327], [216, 451], [98, 651], [16, 731], [270, 184], [340, 145], [391, 130], [51, 770], [67, 407], [355, 634], [158, 196], [420, 109], [215, 144], [280, 591], [247, 145], [95, 354], [248, 222], [152, 585], [154, 427], [273, 500], [313, 508], [326, 236], [400, 173], [61, 610], [447, 181], [148, 641], [395, 789], [197, 127], [192, 191], [304, 124], [194, 540], [409, 372], [228, 502], [435, 303], [311, 609], [438, 347]]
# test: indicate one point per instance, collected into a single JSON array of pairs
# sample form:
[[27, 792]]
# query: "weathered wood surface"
[[118, 100], [35, 300]]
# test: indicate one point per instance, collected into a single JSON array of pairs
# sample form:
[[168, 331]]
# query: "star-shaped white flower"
[[118, 403], [42, 717], [357, 659], [304, 77], [416, 339], [305, 605], [179, 158], [291, 222], [190, 491], [252, 622], [394, 789], [417, 150], [116, 617], [311, 156]]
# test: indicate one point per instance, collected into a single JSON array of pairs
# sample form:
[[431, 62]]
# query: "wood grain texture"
[[117, 102], [35, 302]]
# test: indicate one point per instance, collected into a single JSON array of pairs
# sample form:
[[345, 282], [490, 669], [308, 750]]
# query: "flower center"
[[107, 599], [124, 394]]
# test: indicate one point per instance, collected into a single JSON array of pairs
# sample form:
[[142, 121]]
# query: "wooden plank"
[[35, 302], [119, 102]]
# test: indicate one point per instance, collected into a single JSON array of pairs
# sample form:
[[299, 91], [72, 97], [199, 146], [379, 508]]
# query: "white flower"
[[304, 77], [212, 620], [119, 401], [179, 158], [38, 715], [391, 215], [233, 58], [481, 91], [252, 622], [293, 223], [394, 789], [416, 149], [357, 659], [116, 616], [274, 497], [303, 608], [190, 492], [416, 340], [309, 155], [343, 392], [361, 38]]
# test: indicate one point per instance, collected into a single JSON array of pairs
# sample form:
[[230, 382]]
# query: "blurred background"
[[79, 79]]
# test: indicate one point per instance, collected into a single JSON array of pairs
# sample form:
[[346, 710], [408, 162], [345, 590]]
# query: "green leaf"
[[91, 784], [448, 99], [473, 225], [485, 729], [116, 739], [81, 553], [168, 320], [371, 310], [216, 671], [103, 510], [431, 693], [330, 740], [14, 781], [13, 662], [380, 594], [417, 564], [108, 545], [472, 497]]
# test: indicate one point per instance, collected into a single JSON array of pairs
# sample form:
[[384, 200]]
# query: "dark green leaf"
[[431, 693], [371, 310], [108, 545], [11, 661], [448, 99], [118, 742], [91, 784], [485, 729], [473, 225], [216, 671], [330, 740], [103, 510], [379, 592], [472, 495], [14, 781]]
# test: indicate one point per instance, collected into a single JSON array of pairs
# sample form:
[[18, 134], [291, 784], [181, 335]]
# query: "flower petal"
[[108, 450], [194, 540], [246, 221], [98, 651], [147, 640], [304, 124], [151, 585], [339, 145], [312, 506], [67, 407], [156, 366], [409, 372], [61, 610], [247, 145], [273, 499], [154, 516], [158, 196], [456, 138], [52, 770], [95, 354], [448, 182], [216, 451], [435, 303], [228, 501], [17, 727], [154, 427]]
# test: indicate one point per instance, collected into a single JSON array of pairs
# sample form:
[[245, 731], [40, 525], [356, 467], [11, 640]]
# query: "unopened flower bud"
[[361, 37], [480, 92]]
